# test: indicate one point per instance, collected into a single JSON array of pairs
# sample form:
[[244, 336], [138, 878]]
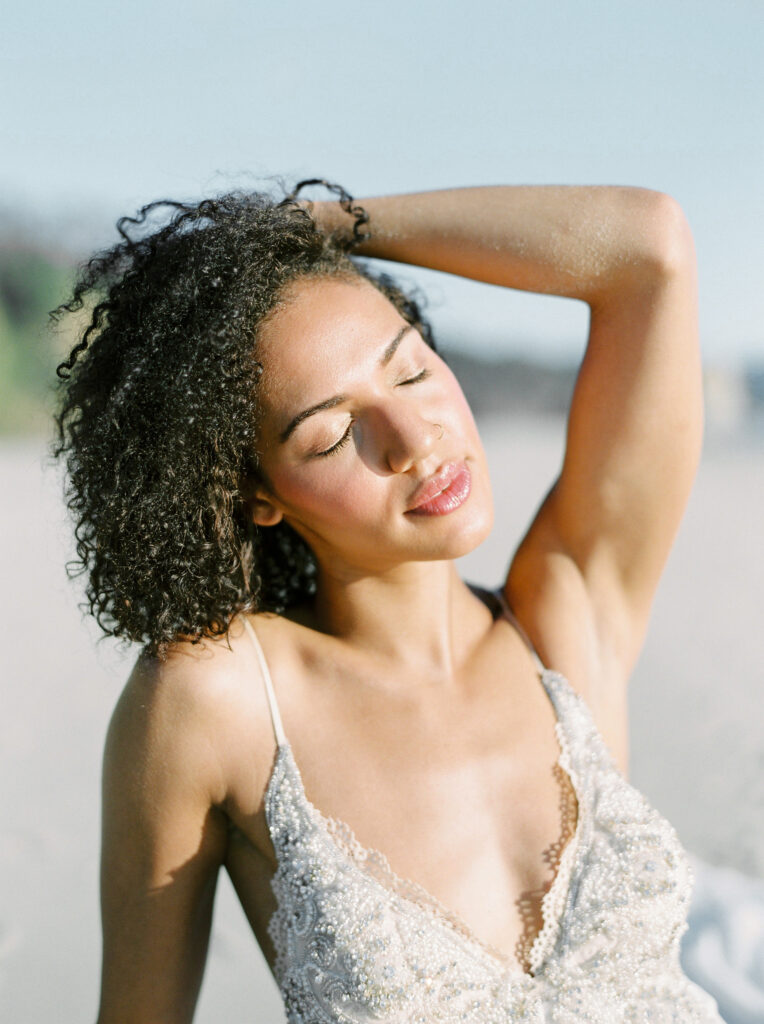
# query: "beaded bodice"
[[355, 943]]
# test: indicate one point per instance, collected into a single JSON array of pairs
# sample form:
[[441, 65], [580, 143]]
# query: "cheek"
[[326, 493]]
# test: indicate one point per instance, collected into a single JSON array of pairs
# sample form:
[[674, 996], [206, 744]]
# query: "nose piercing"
[[439, 426]]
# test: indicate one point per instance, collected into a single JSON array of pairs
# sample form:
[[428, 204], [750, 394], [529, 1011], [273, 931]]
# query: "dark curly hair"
[[157, 420]]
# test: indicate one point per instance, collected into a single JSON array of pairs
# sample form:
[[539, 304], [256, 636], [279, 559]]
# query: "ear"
[[260, 504], [263, 511]]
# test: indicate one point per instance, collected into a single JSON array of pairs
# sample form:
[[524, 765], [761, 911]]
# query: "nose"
[[408, 438]]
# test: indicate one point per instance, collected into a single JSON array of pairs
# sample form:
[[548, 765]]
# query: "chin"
[[472, 538], [468, 533]]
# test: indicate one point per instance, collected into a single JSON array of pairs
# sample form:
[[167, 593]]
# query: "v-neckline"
[[418, 896]]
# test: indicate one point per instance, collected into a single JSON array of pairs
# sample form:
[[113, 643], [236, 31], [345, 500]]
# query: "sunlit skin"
[[397, 426]]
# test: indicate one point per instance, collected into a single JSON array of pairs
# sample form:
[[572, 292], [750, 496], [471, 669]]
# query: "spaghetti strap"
[[278, 728], [512, 618]]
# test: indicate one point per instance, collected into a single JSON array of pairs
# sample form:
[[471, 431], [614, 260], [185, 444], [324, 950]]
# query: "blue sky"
[[107, 107]]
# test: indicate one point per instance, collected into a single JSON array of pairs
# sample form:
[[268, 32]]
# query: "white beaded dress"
[[356, 944]]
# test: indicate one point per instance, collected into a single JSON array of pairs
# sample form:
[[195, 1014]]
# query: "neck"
[[421, 615]]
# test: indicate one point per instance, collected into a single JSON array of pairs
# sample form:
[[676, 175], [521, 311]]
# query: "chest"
[[463, 796], [353, 942]]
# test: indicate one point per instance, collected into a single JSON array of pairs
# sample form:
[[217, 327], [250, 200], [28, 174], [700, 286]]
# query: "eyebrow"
[[330, 403]]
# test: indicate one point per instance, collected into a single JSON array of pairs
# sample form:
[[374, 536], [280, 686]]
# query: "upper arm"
[[163, 841], [633, 441]]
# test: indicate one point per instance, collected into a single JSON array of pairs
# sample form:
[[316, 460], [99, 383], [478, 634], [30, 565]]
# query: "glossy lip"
[[437, 484]]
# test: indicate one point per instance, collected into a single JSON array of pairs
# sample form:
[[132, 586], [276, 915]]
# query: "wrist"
[[330, 217]]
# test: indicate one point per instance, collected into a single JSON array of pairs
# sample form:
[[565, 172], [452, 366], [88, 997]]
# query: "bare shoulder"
[[198, 710]]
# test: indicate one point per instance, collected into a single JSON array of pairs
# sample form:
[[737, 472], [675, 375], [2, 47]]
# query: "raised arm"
[[163, 842], [602, 536]]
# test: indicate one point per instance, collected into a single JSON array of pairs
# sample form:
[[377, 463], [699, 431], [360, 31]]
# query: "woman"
[[272, 472]]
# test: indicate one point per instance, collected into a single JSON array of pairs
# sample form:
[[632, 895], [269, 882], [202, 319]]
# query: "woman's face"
[[361, 420]]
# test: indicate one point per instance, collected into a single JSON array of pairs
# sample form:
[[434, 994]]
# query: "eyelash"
[[422, 375]]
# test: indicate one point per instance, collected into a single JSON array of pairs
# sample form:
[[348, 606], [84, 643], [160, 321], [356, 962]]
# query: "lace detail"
[[541, 910], [355, 944]]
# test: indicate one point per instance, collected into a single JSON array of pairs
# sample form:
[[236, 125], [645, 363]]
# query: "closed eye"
[[422, 375], [336, 447]]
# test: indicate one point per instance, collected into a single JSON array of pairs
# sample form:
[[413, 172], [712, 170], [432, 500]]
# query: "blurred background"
[[106, 109]]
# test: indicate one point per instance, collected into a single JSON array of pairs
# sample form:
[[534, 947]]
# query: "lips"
[[442, 492]]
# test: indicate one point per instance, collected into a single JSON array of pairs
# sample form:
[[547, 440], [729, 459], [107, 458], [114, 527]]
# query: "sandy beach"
[[697, 735]]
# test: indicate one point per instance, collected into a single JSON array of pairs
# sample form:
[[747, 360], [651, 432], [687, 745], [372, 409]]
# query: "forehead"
[[322, 333]]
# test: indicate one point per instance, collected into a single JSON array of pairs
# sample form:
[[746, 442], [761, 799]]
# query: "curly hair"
[[158, 412]]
